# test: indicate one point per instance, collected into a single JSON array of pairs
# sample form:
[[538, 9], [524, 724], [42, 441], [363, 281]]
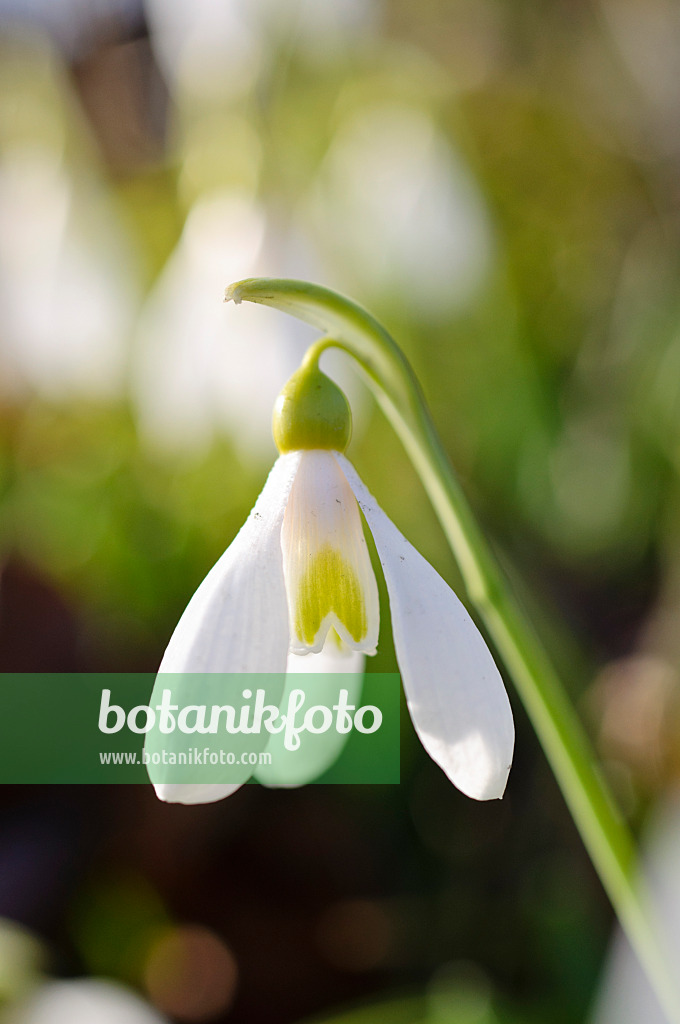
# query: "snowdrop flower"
[[81, 1001], [626, 995], [299, 573], [402, 212]]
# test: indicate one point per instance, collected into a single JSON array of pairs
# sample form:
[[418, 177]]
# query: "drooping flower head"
[[330, 583], [298, 580]]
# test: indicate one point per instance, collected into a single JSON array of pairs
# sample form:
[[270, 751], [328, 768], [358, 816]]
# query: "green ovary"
[[329, 584]]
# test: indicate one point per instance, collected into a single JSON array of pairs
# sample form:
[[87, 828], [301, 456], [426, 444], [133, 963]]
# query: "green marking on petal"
[[336, 640], [329, 584]]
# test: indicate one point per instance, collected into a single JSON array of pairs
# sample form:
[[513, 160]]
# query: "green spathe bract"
[[311, 412]]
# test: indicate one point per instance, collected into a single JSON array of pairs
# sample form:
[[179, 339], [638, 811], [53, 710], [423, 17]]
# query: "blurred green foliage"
[[498, 183]]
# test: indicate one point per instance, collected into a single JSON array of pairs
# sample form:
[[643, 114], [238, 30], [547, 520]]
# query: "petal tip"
[[492, 788], [185, 793], [478, 780]]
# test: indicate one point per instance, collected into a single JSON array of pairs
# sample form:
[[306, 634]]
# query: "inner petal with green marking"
[[329, 586], [330, 583]]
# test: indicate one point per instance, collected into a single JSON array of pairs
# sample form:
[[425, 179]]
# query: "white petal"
[[321, 676], [184, 793], [332, 658], [454, 691], [237, 621], [80, 1001], [329, 577], [626, 995]]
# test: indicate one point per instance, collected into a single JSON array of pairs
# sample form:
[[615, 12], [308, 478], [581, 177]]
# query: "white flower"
[[298, 568], [626, 995], [81, 1001]]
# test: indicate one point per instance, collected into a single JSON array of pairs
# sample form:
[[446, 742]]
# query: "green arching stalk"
[[605, 835]]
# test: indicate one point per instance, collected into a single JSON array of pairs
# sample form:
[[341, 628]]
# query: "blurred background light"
[[648, 38], [22, 960], [191, 974], [193, 377], [355, 935], [67, 302], [636, 701], [75, 27], [399, 212], [68, 290], [460, 993], [205, 48]]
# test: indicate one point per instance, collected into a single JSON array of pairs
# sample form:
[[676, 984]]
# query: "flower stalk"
[[349, 327]]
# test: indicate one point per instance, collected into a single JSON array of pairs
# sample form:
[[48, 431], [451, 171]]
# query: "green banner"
[[280, 730]]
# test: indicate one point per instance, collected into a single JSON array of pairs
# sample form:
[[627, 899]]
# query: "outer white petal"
[[237, 621], [454, 691], [321, 750], [329, 577], [185, 793]]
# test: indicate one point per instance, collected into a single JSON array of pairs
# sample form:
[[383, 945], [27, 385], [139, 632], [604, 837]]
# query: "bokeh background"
[[499, 183]]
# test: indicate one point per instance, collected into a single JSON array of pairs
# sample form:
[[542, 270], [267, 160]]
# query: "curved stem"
[[561, 735]]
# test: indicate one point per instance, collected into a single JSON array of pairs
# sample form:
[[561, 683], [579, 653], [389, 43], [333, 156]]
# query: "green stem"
[[604, 833]]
